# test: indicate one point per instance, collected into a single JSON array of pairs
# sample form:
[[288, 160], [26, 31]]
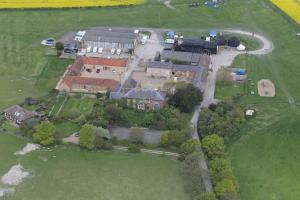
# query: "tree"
[[137, 135], [213, 145], [218, 165], [224, 187], [189, 147], [186, 99], [206, 196], [59, 46], [87, 136], [114, 112], [44, 133]]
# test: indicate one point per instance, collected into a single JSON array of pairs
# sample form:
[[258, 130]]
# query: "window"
[[156, 106], [141, 106]]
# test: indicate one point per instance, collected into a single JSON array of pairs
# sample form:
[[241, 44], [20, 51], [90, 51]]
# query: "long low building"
[[167, 70], [88, 85], [185, 57]]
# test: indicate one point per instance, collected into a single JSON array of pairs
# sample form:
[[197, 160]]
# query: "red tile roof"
[[80, 62], [104, 61], [105, 83], [76, 67]]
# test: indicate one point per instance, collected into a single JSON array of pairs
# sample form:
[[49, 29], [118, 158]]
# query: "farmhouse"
[[110, 38], [19, 115], [145, 99], [93, 75]]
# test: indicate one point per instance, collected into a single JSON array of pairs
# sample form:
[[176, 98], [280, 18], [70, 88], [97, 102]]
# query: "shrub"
[[164, 139], [101, 143], [218, 165], [44, 133], [189, 147], [132, 148], [137, 135], [213, 145], [87, 136], [224, 188]]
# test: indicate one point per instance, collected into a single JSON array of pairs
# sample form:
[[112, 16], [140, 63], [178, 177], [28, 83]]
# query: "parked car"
[[100, 50], [95, 49], [144, 39], [112, 51], [119, 51], [48, 42], [98, 71], [77, 134]]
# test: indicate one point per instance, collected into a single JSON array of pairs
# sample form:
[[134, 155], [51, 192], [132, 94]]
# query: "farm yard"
[[65, 3], [264, 155]]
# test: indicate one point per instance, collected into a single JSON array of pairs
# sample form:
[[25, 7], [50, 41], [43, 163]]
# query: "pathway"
[[75, 140], [222, 59]]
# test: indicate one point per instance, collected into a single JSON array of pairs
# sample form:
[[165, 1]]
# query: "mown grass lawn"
[[83, 105], [70, 173]]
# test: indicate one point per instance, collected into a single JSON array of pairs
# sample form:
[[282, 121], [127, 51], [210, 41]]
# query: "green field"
[[264, 156], [70, 173]]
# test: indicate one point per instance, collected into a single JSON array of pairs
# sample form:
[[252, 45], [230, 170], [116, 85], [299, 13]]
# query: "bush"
[[44, 133], [103, 144], [132, 148], [224, 188], [136, 135], [223, 119], [188, 147], [213, 146], [87, 136]]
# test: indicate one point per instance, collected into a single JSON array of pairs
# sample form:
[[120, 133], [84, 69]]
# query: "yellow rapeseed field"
[[64, 3], [290, 7]]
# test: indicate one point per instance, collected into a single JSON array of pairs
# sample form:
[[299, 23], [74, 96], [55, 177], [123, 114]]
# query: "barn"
[[196, 46]]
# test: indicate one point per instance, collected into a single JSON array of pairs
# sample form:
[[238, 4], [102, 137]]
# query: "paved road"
[[144, 52], [222, 59]]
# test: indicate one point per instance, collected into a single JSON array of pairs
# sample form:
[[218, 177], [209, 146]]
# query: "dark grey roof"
[[20, 113], [167, 65], [157, 64], [146, 94], [181, 56], [109, 36]]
